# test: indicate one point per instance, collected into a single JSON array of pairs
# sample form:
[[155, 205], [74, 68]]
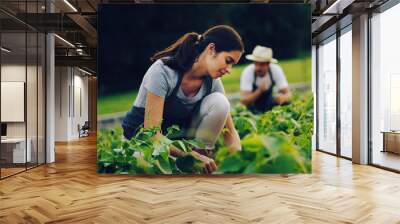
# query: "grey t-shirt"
[[161, 80]]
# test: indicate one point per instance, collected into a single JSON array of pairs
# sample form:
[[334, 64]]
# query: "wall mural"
[[204, 89]]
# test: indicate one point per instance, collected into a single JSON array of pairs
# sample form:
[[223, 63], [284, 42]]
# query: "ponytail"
[[183, 53]]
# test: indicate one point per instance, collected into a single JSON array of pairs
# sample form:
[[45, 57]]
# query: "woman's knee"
[[218, 103]]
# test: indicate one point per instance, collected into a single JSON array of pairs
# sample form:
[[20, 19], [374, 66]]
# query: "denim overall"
[[266, 100], [175, 112]]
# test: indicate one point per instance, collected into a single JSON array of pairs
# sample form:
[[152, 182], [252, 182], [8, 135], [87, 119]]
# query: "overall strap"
[[208, 82], [270, 77], [178, 84], [254, 81]]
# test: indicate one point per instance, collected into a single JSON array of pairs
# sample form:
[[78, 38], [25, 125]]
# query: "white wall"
[[71, 94], [14, 73], [61, 103], [80, 110]]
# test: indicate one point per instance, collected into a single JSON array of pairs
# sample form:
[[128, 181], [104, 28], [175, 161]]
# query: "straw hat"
[[261, 54]]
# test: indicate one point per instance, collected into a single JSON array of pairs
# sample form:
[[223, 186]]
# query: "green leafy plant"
[[278, 141], [141, 154]]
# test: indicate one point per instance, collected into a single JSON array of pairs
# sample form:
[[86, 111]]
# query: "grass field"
[[296, 71], [116, 103]]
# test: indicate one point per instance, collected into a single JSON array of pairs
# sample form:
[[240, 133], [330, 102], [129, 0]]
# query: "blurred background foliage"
[[130, 34]]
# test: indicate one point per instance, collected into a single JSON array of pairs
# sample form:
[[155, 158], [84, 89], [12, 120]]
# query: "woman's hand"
[[209, 165]]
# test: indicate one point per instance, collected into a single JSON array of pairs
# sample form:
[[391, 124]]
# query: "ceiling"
[[76, 21]]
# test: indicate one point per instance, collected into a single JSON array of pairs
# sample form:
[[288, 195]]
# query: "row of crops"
[[278, 141]]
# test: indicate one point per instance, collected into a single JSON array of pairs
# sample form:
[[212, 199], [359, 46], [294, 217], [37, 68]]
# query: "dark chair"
[[84, 130]]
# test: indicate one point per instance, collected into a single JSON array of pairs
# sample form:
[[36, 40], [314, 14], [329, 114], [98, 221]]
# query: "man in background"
[[259, 79]]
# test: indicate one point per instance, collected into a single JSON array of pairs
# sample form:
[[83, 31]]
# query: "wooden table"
[[391, 141], [13, 150]]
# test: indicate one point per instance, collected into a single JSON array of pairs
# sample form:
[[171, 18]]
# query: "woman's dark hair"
[[186, 49]]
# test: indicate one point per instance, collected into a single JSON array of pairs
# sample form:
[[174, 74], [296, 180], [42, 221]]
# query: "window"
[[385, 88], [346, 93], [22, 76], [327, 96]]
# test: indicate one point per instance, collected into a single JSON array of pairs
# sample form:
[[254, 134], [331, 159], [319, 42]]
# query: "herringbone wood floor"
[[70, 191]]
